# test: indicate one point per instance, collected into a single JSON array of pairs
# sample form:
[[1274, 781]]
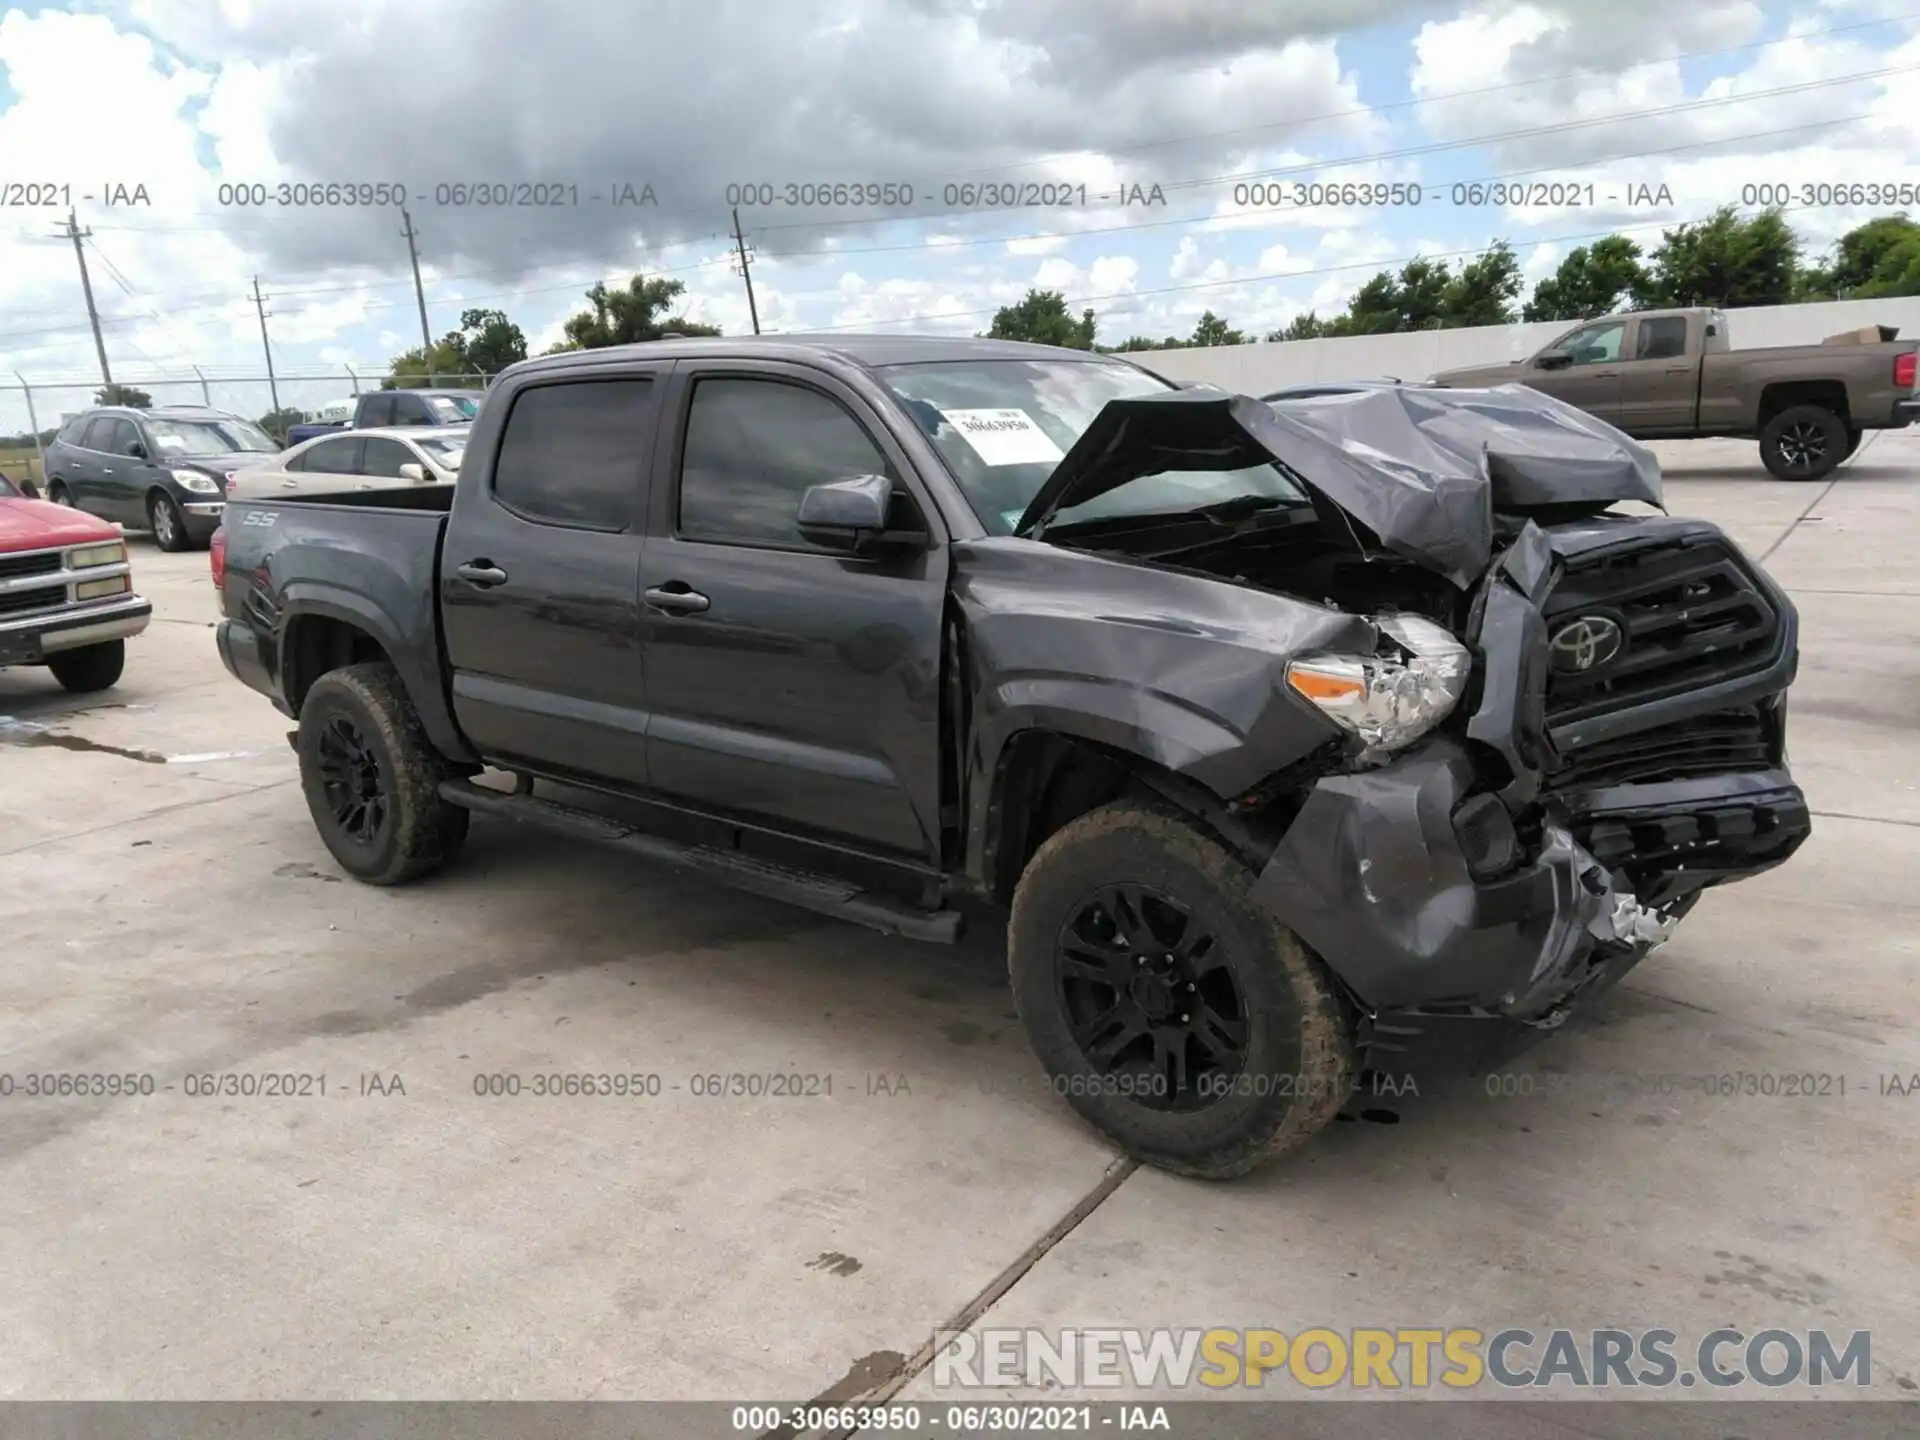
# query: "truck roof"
[[865, 350]]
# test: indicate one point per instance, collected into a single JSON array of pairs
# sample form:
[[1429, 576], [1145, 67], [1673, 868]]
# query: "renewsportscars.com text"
[[1457, 1358]]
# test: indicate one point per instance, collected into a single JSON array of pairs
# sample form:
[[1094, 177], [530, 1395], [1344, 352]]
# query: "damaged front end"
[[1625, 751], [1618, 745]]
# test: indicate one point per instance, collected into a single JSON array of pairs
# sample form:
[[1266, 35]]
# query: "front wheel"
[[164, 519], [1176, 1015], [372, 778], [1804, 442], [91, 667]]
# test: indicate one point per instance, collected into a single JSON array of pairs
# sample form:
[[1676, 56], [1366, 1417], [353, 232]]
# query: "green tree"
[[277, 422], [1485, 289], [626, 317], [1597, 279], [1212, 330], [1878, 259], [485, 344], [1143, 342], [1043, 319], [1374, 309], [1310, 327], [1422, 294], [1725, 261], [117, 394]]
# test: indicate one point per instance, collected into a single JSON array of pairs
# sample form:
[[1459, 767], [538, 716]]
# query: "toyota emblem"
[[1586, 643]]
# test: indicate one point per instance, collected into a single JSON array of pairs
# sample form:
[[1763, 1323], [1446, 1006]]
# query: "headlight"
[[94, 589], [85, 557], [1387, 701], [196, 482]]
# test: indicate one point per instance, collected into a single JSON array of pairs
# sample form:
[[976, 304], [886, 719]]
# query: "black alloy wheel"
[[351, 780], [1803, 445], [1150, 999]]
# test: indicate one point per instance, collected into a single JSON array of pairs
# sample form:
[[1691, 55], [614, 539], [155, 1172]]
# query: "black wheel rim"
[[350, 777], [1803, 445], [1150, 998], [162, 522]]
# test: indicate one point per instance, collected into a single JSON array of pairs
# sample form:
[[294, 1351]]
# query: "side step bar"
[[825, 894]]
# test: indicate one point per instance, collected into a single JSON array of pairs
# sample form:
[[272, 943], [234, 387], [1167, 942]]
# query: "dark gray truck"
[[1299, 743]]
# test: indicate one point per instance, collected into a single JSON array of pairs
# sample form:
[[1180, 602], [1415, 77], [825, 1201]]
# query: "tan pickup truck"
[[1671, 374]]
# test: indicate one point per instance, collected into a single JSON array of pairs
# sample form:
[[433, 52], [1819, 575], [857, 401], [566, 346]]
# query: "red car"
[[66, 592]]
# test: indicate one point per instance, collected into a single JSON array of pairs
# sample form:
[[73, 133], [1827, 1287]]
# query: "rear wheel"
[[372, 778], [168, 525], [1176, 1015], [91, 667], [1803, 443], [1854, 432]]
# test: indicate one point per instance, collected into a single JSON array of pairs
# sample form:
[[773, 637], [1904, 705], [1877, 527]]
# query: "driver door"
[[787, 682], [1591, 380]]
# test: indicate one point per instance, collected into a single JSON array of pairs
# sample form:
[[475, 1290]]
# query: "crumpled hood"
[[1423, 469]]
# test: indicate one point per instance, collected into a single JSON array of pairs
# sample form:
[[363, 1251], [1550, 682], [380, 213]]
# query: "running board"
[[826, 894]]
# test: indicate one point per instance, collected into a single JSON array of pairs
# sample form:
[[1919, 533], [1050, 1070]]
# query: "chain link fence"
[[32, 411]]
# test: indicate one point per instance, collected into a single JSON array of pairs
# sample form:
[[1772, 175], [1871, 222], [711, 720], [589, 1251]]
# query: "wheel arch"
[[325, 630]]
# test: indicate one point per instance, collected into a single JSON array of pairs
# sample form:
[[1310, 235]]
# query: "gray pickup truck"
[[1671, 374], [1297, 743]]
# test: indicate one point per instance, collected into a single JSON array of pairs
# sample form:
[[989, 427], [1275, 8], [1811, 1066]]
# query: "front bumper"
[[1451, 970], [202, 517], [28, 640]]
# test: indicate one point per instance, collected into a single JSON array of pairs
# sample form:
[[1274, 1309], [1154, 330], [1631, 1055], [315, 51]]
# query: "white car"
[[356, 460]]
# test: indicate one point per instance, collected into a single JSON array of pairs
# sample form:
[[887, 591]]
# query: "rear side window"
[[94, 433], [333, 457], [575, 453], [1662, 339], [378, 410]]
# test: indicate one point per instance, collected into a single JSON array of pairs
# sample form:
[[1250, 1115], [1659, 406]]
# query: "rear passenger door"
[[120, 492], [1658, 388], [540, 578], [79, 469], [788, 682]]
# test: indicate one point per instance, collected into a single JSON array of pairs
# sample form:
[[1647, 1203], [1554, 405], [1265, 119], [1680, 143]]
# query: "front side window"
[[383, 458], [575, 453], [753, 448], [1597, 344]]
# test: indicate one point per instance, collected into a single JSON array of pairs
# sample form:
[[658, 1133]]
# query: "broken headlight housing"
[[1392, 698]]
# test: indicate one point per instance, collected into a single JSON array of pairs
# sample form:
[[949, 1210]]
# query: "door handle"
[[482, 573], [1606, 374], [1679, 369], [678, 597]]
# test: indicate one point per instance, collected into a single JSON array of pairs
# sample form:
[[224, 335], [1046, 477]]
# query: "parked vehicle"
[[163, 469], [379, 409], [1298, 741], [66, 592], [357, 460], [1672, 374]]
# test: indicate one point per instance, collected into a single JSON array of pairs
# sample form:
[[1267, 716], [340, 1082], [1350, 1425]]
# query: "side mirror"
[[137, 450], [414, 472], [1554, 360], [851, 516]]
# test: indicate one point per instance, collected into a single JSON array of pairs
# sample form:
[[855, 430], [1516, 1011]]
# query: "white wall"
[[1253, 369]]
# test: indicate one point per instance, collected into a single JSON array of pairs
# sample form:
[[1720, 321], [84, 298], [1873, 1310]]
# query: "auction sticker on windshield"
[[1005, 437]]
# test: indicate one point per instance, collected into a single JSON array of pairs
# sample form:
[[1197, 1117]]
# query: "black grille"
[[18, 602], [1731, 838], [12, 567], [1691, 614], [1722, 743]]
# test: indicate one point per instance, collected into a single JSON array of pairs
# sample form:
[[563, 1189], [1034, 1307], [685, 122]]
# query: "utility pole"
[[745, 269], [426, 338], [76, 234], [260, 305]]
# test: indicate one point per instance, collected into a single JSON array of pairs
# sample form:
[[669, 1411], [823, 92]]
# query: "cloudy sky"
[[1638, 112]]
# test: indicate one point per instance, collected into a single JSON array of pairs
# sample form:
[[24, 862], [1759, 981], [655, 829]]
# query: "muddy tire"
[[372, 778], [1804, 443], [91, 667], [1178, 1017]]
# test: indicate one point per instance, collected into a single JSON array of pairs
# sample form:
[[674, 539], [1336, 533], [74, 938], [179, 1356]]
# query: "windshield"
[[445, 453], [209, 437], [452, 409], [1002, 426]]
